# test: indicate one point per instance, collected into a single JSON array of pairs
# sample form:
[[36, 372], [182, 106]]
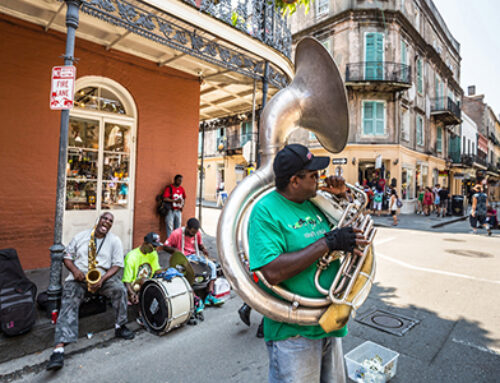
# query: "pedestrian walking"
[[420, 200], [377, 201], [428, 201], [393, 207], [479, 210]]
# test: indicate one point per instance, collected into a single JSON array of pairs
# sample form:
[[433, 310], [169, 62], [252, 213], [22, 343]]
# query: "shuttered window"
[[420, 130], [374, 56], [439, 140], [245, 132], [420, 81], [373, 118]]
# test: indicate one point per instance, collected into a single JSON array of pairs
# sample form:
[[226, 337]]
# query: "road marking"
[[418, 268], [477, 347], [382, 241]]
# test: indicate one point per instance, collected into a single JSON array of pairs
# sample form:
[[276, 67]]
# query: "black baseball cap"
[[153, 238], [295, 157]]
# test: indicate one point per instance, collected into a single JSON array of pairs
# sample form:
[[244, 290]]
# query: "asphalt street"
[[447, 280]]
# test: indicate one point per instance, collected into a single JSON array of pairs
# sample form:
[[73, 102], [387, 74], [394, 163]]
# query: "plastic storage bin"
[[358, 359]]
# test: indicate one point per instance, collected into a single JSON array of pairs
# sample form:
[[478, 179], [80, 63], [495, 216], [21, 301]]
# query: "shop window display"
[[83, 168]]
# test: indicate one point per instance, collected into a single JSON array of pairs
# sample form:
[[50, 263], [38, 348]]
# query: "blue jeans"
[[204, 261], [173, 221], [298, 360]]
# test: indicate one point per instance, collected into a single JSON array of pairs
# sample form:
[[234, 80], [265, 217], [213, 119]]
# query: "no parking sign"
[[62, 89]]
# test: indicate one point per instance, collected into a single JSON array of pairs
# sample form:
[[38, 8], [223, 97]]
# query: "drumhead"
[[154, 306]]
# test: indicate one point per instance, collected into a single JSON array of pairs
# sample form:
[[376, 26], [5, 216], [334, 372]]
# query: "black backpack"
[[17, 296], [164, 206]]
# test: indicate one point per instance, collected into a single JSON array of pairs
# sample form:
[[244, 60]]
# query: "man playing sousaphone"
[[288, 235], [94, 246]]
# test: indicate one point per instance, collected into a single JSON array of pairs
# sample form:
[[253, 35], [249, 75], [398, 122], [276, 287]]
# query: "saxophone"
[[93, 276]]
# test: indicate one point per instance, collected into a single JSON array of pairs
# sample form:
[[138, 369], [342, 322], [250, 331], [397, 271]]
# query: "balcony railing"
[[378, 71], [257, 18], [446, 109], [232, 143]]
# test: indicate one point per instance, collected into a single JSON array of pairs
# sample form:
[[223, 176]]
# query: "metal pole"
[[265, 87], [254, 134], [202, 172], [57, 249]]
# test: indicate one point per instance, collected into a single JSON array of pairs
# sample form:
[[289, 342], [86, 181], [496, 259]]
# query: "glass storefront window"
[[81, 195], [114, 195], [407, 184]]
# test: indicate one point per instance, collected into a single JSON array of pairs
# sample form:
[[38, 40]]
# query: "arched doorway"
[[100, 166]]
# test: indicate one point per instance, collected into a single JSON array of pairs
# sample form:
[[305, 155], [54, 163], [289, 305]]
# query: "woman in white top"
[[393, 207]]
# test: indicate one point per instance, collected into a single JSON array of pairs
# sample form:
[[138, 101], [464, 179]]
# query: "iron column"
[[57, 249]]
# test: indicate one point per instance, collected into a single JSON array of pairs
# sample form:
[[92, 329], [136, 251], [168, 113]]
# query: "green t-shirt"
[[278, 225], [139, 265]]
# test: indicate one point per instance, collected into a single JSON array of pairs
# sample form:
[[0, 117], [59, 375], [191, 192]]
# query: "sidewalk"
[[428, 340]]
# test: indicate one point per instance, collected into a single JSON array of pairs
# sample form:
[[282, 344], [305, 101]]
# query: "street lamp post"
[[57, 249]]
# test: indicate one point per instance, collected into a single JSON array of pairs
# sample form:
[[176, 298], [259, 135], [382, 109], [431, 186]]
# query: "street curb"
[[81, 346], [440, 224]]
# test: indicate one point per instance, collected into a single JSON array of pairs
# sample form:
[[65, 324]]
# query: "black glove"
[[341, 239]]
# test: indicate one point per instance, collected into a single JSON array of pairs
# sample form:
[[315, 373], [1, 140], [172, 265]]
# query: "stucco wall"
[[168, 111]]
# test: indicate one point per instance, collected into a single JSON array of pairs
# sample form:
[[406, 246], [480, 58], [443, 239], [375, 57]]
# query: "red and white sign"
[[62, 89]]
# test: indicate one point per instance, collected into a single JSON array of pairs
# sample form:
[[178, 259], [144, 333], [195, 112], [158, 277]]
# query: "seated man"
[[141, 263], [183, 240], [109, 256]]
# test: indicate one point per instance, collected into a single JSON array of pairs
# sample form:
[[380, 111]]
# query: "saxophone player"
[[288, 234], [109, 258]]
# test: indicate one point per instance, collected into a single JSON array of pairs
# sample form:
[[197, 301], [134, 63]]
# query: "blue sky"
[[475, 25]]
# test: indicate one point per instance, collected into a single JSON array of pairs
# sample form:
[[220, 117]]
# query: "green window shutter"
[[404, 51], [439, 140], [373, 118], [374, 56], [379, 118], [420, 83], [420, 132], [368, 114]]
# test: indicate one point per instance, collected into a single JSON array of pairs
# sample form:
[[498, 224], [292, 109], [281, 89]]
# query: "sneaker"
[[56, 361], [140, 321], [210, 300], [124, 332], [244, 312], [260, 330], [199, 308]]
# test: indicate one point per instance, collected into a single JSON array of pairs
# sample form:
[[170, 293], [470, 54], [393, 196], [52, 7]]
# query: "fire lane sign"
[[62, 88]]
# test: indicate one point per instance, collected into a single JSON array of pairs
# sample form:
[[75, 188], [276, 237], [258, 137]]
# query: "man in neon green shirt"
[[141, 262], [288, 234]]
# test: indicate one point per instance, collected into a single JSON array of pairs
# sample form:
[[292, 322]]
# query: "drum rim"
[[166, 322]]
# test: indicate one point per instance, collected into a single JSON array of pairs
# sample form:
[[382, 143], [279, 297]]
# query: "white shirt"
[[110, 252]]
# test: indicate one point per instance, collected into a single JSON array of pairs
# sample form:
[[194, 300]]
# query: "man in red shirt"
[[188, 240], [176, 196]]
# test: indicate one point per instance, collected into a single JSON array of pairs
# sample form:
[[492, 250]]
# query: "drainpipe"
[[202, 172], [265, 87], [54, 290]]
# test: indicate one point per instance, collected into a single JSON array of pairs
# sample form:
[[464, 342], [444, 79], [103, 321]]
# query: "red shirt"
[[175, 240], [177, 192]]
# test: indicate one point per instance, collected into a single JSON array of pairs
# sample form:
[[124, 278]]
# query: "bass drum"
[[166, 304]]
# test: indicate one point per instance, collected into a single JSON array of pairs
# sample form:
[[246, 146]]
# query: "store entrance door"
[[99, 173]]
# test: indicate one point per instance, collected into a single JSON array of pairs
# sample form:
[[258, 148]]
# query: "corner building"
[[401, 67]]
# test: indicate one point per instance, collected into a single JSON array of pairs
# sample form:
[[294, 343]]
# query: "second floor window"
[[323, 6], [420, 130], [420, 79], [439, 140], [245, 132], [373, 118]]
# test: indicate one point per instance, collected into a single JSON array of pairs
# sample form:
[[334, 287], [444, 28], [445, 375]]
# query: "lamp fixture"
[[354, 160], [396, 161]]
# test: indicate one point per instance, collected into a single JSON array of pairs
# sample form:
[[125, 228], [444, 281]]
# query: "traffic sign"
[[339, 161], [62, 88]]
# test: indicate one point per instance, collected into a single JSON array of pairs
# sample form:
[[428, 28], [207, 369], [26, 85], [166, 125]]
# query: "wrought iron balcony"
[[257, 18], [381, 76], [446, 110]]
